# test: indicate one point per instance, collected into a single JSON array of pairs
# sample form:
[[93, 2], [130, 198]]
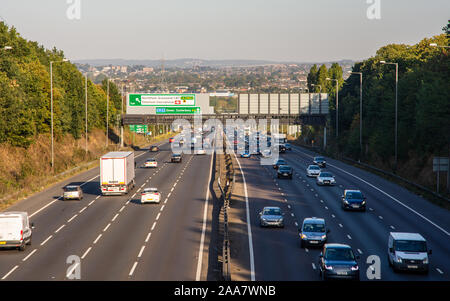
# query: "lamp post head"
[[433, 44], [382, 62]]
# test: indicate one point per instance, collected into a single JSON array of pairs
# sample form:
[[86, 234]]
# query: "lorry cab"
[[408, 251], [15, 230]]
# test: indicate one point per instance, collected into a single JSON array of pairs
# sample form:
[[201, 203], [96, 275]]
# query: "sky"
[[276, 30]]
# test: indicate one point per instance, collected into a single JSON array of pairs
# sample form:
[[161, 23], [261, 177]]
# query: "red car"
[[171, 140]]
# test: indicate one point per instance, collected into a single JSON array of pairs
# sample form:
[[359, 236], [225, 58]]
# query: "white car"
[[325, 178], [150, 195], [313, 171], [151, 163], [201, 151], [266, 153]]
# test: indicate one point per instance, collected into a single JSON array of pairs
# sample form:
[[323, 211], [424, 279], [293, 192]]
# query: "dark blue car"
[[353, 200], [337, 261]]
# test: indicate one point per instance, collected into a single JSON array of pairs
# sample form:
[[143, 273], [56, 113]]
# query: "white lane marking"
[[148, 236], [313, 266], [98, 197], [98, 237], [127, 202], [142, 185], [349, 237], [133, 195], [307, 250], [60, 228], [390, 196], [29, 255], [171, 190], [359, 251], [392, 227], [91, 202], [296, 224], [153, 226], [285, 200], [380, 217], [140, 253], [9, 273], [48, 238], [121, 209], [292, 214], [82, 209], [85, 253], [162, 208], [133, 268], [249, 229], [106, 228], [115, 216], [321, 201], [157, 217], [170, 193], [202, 237], [36, 212], [326, 207], [340, 225], [71, 219], [289, 206], [333, 216], [440, 272]]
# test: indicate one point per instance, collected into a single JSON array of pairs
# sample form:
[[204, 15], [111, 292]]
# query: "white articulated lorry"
[[117, 173]]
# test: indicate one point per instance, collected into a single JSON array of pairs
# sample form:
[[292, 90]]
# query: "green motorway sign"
[[178, 110], [139, 99], [139, 128]]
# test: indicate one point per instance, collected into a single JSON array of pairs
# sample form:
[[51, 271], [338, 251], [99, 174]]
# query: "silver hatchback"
[[271, 216], [72, 192]]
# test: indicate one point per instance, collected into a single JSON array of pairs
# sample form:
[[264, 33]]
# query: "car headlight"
[[363, 203], [328, 267], [399, 260], [324, 236], [303, 236], [425, 261], [355, 268], [263, 219], [346, 202]]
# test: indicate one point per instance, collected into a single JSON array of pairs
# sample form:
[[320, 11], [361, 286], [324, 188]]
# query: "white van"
[[408, 251], [15, 230]]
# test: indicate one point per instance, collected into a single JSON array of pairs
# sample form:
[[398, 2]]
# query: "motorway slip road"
[[277, 252], [116, 237]]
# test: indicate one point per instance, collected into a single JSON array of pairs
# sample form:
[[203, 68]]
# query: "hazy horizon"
[[279, 31]]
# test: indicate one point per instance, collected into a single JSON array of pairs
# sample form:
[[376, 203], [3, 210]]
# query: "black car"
[[278, 163], [282, 148], [175, 158], [154, 148], [320, 161], [284, 171], [353, 200], [337, 261]]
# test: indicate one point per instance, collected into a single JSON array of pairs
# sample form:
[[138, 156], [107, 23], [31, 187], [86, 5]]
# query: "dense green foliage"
[[25, 93], [423, 103]]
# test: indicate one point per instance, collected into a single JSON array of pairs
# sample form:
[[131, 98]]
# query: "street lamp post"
[[51, 106], [86, 110], [396, 109], [107, 111], [337, 106], [360, 111]]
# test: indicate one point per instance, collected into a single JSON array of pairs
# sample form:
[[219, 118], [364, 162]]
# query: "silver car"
[[271, 216], [325, 178], [313, 170], [313, 232], [72, 192]]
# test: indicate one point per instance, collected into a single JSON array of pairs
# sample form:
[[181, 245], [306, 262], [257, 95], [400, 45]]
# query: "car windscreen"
[[281, 162], [319, 159], [70, 189], [272, 212], [285, 168], [410, 246], [354, 195], [315, 167], [325, 175], [339, 254], [309, 227]]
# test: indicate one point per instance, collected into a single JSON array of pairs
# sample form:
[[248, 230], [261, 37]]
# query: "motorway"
[[116, 237], [277, 252]]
